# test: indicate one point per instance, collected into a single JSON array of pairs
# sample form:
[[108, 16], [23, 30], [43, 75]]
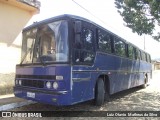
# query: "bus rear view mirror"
[[78, 27]]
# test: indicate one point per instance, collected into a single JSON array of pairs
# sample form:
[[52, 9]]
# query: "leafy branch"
[[141, 15]]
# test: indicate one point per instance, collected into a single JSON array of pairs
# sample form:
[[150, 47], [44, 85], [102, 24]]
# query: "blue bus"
[[69, 59]]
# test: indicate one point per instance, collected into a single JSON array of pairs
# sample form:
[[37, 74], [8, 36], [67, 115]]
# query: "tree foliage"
[[141, 15]]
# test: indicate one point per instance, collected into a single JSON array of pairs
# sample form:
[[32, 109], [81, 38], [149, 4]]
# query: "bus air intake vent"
[[33, 83]]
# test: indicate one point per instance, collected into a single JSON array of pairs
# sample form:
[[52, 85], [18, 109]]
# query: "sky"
[[102, 12]]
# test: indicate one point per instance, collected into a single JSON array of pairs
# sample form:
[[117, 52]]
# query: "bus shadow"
[[124, 93], [89, 105]]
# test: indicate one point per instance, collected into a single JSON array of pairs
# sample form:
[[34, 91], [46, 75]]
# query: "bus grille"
[[33, 83]]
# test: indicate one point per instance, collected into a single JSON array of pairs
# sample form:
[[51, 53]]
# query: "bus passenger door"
[[83, 53], [81, 85]]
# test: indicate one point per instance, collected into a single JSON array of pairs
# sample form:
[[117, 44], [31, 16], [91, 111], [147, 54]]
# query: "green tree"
[[141, 16]]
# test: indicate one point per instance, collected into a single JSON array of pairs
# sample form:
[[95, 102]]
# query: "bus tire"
[[99, 92], [107, 96], [145, 82]]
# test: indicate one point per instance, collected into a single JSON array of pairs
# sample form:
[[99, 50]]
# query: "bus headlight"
[[55, 85], [20, 82], [48, 85]]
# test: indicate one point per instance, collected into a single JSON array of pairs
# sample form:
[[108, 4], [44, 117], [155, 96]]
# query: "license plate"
[[30, 94]]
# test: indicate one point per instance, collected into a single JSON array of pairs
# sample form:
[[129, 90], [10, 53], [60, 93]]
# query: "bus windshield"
[[46, 44]]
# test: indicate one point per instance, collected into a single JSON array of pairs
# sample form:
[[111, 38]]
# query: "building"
[[14, 15], [156, 65]]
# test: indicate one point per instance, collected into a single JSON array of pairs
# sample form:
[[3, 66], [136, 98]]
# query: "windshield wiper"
[[41, 60]]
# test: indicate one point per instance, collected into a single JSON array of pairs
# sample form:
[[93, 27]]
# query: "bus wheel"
[[107, 96], [145, 82], [99, 92]]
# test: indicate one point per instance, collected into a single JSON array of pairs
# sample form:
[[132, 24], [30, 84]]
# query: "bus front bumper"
[[48, 97]]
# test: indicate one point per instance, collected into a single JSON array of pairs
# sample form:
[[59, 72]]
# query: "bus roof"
[[69, 16]]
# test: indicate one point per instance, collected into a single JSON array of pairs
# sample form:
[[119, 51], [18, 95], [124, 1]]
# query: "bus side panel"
[[116, 68], [119, 80], [84, 77], [142, 72], [133, 71], [105, 65], [105, 62]]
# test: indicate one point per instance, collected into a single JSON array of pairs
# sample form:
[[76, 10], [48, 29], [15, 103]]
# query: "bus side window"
[[87, 38], [146, 57], [150, 58], [136, 54], [119, 47], [140, 54], [130, 52], [143, 56], [84, 47], [88, 46], [104, 41]]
